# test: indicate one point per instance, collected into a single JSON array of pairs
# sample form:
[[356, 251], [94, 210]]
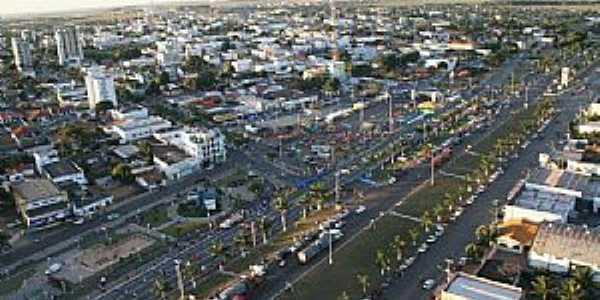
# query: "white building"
[[189, 149], [168, 52], [337, 69], [40, 202], [22, 55], [134, 129], [68, 46], [464, 286], [100, 88], [561, 247], [242, 65]]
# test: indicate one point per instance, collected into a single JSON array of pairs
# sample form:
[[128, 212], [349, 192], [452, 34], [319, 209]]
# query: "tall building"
[[22, 55], [68, 45], [100, 88]]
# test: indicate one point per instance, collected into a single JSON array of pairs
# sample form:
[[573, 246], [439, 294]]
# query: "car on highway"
[[423, 248], [428, 284], [78, 221], [361, 209], [431, 239]]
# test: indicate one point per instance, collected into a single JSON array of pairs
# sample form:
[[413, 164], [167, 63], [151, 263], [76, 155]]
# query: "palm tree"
[[473, 251], [265, 227], [304, 202], [398, 244], [571, 290], [363, 280], [414, 235], [217, 249], [161, 287], [426, 221], [316, 195], [282, 206], [584, 277], [241, 239], [382, 261], [438, 212], [343, 296], [541, 287], [485, 235], [189, 271]]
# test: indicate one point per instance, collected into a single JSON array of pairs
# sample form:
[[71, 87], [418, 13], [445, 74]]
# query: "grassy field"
[[328, 281], [178, 230], [427, 197], [155, 217]]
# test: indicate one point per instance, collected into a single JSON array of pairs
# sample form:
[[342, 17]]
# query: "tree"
[[414, 235], [426, 221], [584, 277], [398, 245], [486, 235], [147, 152], [265, 228], [473, 251], [103, 106], [282, 206], [122, 172], [343, 296], [438, 212], [541, 287], [164, 78], [363, 280], [571, 290], [241, 239], [331, 85], [304, 202], [382, 261], [217, 249], [317, 196], [161, 287]]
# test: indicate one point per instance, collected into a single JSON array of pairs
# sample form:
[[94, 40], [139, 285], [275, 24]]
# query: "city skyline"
[[40, 6]]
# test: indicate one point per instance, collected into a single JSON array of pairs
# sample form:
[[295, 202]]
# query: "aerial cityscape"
[[300, 150]]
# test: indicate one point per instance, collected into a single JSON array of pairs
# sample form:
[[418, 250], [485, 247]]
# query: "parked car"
[[428, 284]]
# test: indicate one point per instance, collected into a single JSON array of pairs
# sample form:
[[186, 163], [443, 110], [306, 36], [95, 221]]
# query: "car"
[[402, 267], [428, 284], [113, 216], [281, 263], [53, 268], [470, 200], [423, 248], [360, 209], [431, 239], [439, 233], [409, 261], [78, 221]]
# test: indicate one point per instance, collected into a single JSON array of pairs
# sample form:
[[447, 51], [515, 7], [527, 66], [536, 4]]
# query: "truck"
[[317, 246], [442, 157], [231, 221]]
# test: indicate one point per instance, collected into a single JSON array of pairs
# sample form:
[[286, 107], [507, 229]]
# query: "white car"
[[361, 209], [409, 261], [470, 200], [431, 239], [428, 284], [423, 248], [78, 221], [53, 269]]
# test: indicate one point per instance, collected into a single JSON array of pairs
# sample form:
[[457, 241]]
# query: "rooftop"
[[35, 189], [61, 168], [545, 201], [477, 288], [519, 230], [568, 241], [558, 179], [169, 154]]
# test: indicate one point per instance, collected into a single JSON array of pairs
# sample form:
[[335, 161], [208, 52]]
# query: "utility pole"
[[432, 169], [391, 112], [512, 82], [280, 147], [526, 104], [253, 233], [179, 279], [337, 186], [330, 248]]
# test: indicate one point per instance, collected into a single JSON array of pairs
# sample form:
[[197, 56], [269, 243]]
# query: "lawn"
[[155, 217], [328, 281], [427, 197], [178, 230], [205, 289]]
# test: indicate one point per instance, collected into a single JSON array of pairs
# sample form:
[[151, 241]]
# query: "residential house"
[[40, 202]]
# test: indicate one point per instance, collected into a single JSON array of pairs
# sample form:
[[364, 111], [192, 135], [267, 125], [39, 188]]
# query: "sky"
[[9, 7]]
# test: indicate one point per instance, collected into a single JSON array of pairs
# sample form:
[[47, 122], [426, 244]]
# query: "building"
[[516, 235], [539, 206], [463, 286], [188, 149], [562, 247], [40, 202], [22, 55], [64, 171], [167, 53], [68, 46], [135, 123], [100, 88], [86, 203]]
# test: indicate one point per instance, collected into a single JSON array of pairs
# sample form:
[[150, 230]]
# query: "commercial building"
[[134, 123], [22, 55], [540, 206], [188, 149], [40, 202], [468, 287], [100, 88], [64, 171], [562, 247], [516, 235], [68, 46]]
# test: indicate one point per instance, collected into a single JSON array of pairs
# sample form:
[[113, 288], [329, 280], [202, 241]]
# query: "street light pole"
[[179, 280], [432, 169], [337, 187], [330, 249]]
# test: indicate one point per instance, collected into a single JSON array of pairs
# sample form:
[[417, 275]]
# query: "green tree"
[[398, 245], [382, 261], [571, 290], [426, 221], [473, 251], [147, 152], [414, 235], [343, 296], [584, 277], [317, 195], [122, 172], [217, 250], [161, 287], [363, 281], [265, 227], [282, 206], [541, 287]]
